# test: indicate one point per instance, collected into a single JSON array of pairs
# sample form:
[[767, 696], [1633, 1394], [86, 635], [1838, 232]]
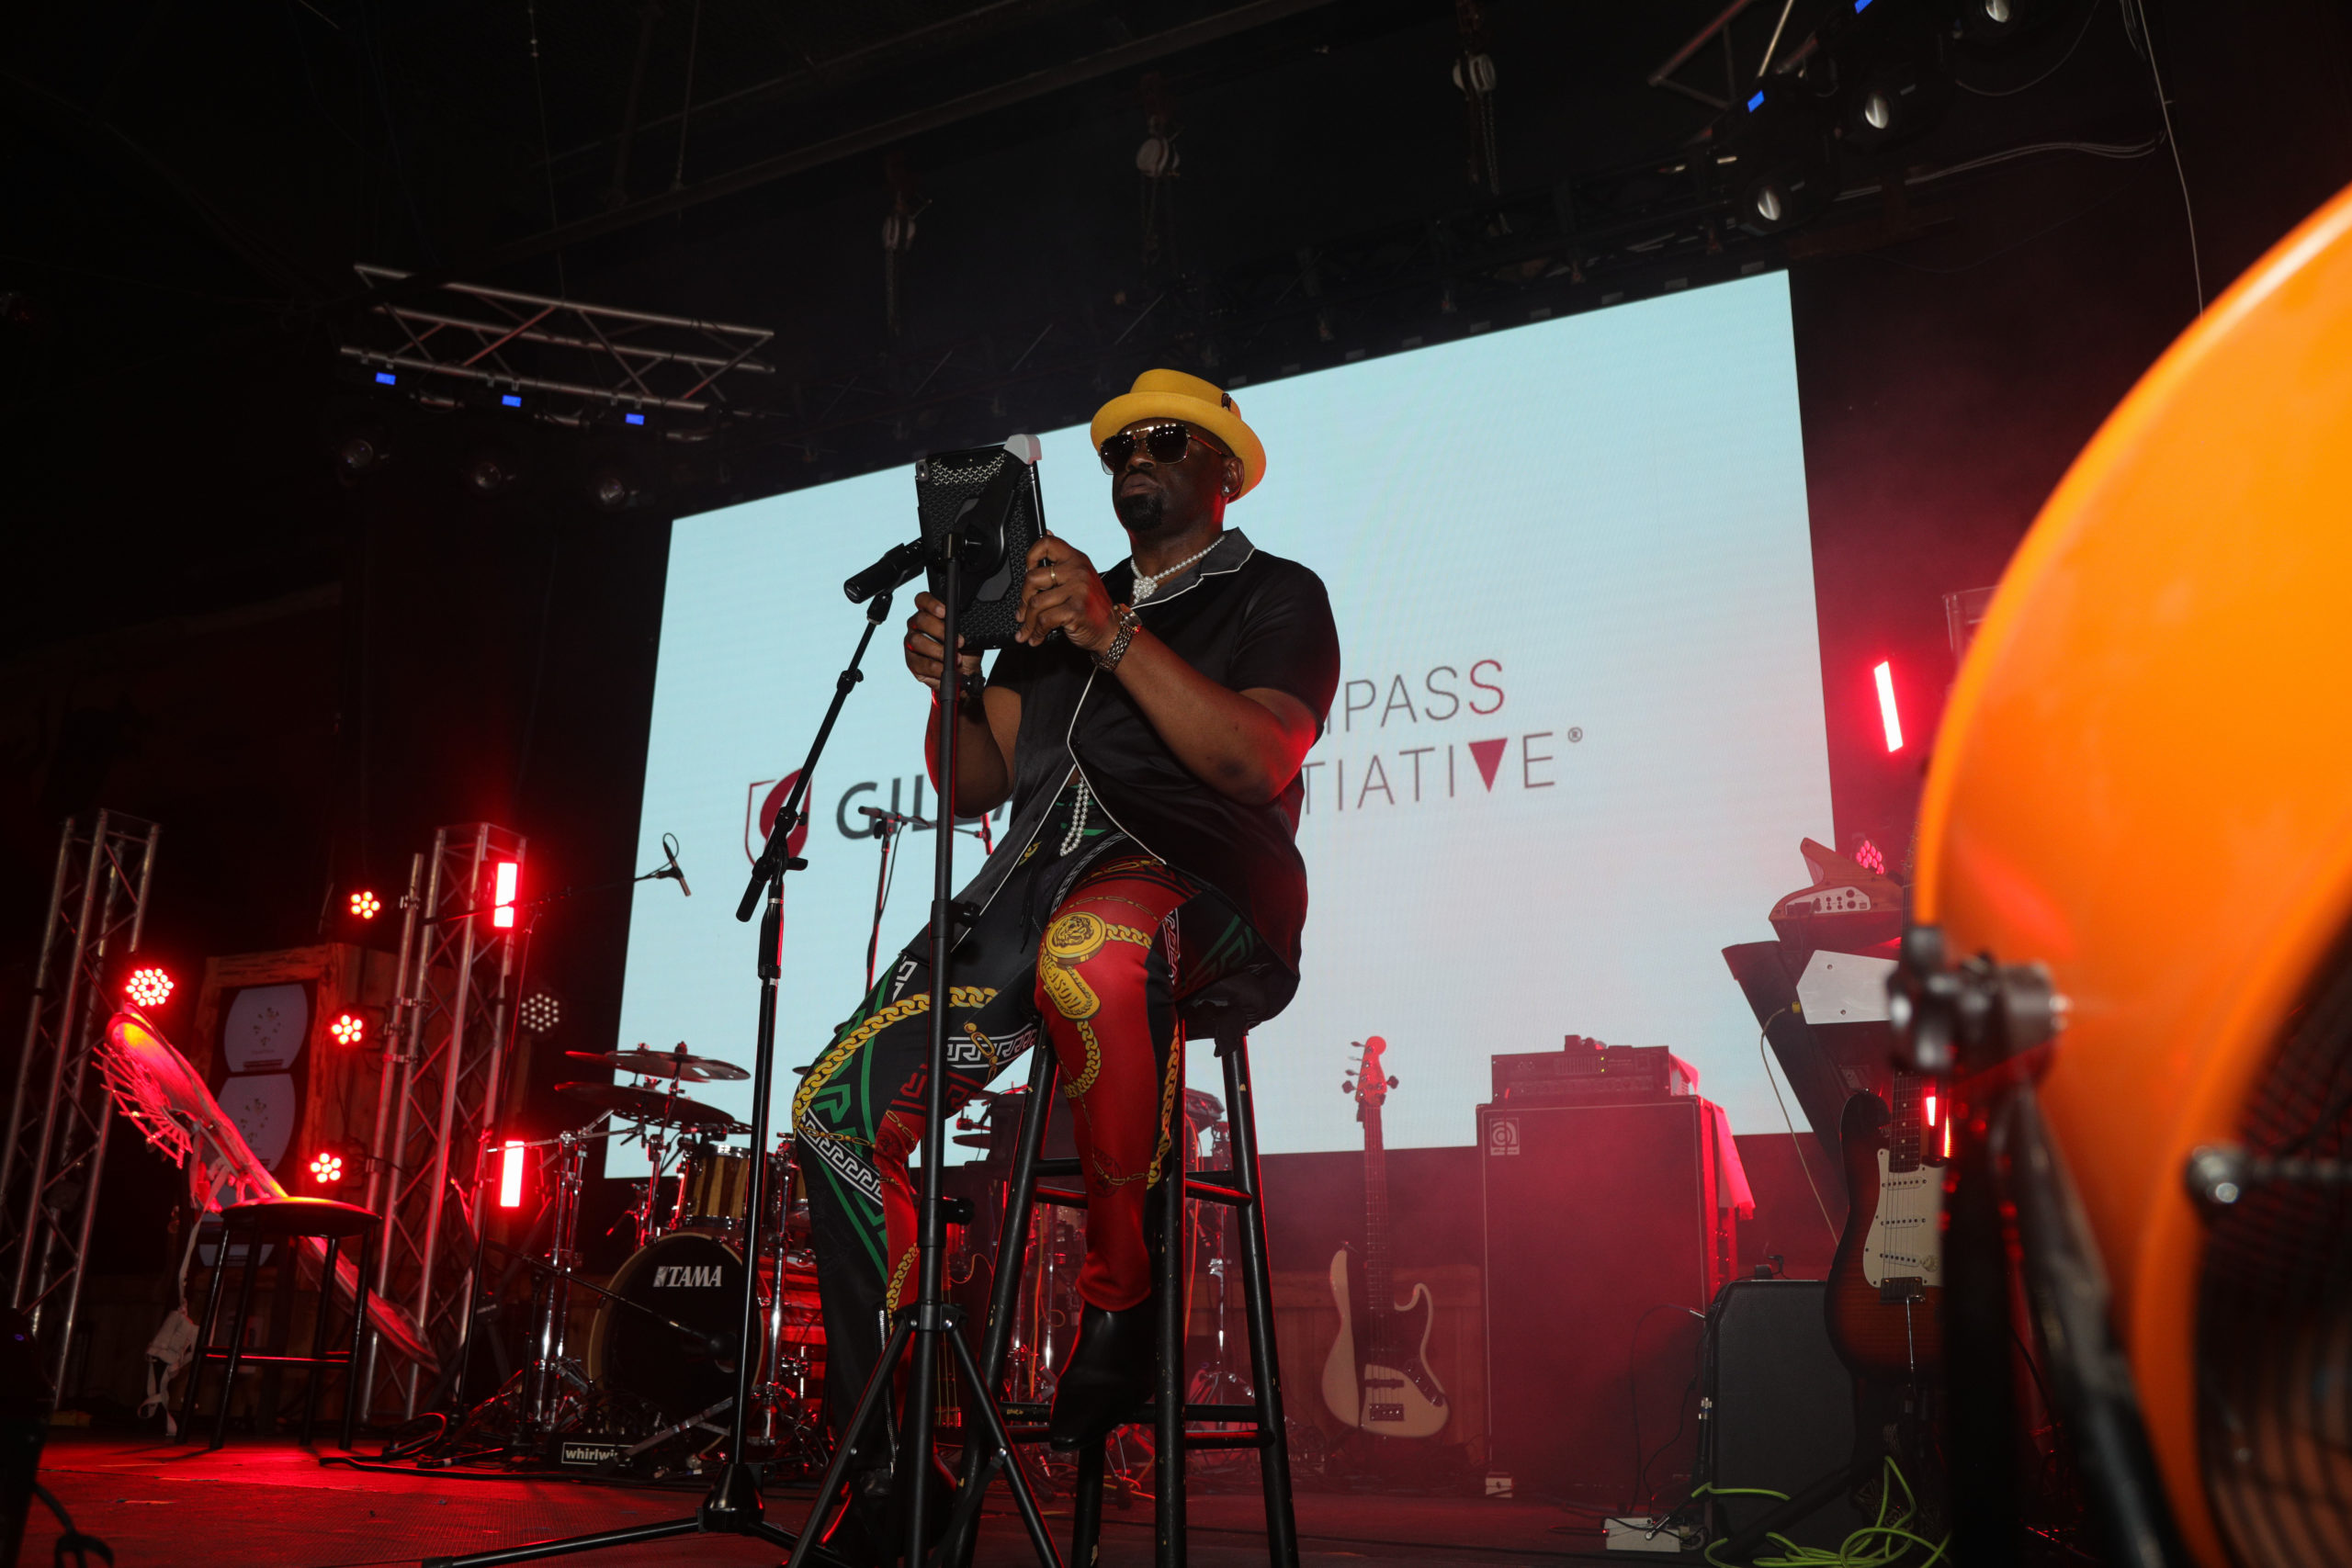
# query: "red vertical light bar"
[[502, 898], [510, 1175], [1885, 674]]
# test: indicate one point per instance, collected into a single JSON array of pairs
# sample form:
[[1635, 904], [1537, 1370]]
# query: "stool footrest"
[[1210, 1193], [1059, 1197], [1058, 1167]]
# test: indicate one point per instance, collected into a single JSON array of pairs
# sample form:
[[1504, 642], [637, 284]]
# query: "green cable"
[[1852, 1552]]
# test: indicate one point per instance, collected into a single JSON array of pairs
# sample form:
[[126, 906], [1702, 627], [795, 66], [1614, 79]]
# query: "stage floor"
[[257, 1505]]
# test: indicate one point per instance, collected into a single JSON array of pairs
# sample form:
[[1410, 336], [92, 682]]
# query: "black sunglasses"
[[1165, 443]]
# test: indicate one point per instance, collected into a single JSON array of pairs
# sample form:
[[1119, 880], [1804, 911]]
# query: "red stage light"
[[1887, 716], [503, 900], [366, 904], [1928, 1107], [326, 1168], [148, 987], [1947, 1140], [510, 1175], [348, 1029]]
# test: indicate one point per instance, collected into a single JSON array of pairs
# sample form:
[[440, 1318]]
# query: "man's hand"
[[925, 628], [1062, 592]]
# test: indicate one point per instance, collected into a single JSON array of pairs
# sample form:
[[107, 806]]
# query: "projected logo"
[[760, 802], [1443, 756]]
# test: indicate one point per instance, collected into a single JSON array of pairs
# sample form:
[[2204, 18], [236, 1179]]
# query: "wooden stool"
[[284, 1220], [1168, 1412]]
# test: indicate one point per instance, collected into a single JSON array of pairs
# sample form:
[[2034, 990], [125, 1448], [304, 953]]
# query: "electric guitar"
[[1884, 1300], [1378, 1375]]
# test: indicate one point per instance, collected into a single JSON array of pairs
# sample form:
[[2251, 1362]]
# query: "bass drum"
[[2143, 780], [695, 1282]]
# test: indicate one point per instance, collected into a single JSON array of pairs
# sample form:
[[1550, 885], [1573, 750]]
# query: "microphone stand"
[[931, 1317], [733, 1506]]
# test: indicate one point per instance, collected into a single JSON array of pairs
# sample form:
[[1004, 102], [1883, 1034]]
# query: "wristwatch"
[[1127, 618]]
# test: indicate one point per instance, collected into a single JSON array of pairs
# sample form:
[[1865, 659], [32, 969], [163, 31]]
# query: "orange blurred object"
[[2144, 779]]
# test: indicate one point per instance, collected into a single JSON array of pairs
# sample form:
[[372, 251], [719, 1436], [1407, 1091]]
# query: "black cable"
[[70, 1540], [1633, 1391]]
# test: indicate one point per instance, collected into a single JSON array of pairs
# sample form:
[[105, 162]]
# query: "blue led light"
[[634, 418], [1758, 101], [386, 379], [510, 400], [1860, 6]]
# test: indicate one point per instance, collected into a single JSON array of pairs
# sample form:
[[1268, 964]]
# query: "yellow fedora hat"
[[1172, 394]]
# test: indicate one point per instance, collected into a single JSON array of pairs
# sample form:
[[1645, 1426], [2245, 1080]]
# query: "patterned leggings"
[[1098, 967]]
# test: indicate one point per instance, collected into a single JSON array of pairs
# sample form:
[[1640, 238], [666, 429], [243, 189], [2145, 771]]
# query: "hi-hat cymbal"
[[666, 1064], [648, 1105]]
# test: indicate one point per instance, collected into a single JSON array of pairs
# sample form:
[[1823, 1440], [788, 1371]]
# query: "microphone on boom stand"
[[894, 571]]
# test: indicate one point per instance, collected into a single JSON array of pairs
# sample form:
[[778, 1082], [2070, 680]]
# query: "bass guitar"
[[1377, 1376], [1885, 1284]]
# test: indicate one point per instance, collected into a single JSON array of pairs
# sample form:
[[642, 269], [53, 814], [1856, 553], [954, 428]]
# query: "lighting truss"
[[57, 1118], [444, 1055], [561, 356]]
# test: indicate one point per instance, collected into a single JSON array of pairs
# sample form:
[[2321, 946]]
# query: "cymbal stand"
[[733, 1505], [552, 1366], [930, 1319]]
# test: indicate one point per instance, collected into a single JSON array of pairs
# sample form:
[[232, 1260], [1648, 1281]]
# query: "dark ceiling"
[[190, 189]]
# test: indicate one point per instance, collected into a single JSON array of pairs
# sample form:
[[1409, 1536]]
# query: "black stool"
[[1169, 1413], [284, 1220]]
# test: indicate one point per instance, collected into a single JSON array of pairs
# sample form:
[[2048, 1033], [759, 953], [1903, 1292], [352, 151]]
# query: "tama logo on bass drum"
[[690, 1276]]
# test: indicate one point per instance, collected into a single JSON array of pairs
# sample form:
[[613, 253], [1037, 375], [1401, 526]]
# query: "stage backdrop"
[[1579, 736]]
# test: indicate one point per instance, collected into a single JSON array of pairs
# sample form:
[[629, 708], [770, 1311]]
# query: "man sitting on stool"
[[1151, 752]]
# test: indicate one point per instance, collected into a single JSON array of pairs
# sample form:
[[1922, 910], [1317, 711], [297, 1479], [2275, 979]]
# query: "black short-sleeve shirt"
[[1244, 619]]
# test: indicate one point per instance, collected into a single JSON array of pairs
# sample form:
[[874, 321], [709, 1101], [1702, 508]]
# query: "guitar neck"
[[1376, 1215]]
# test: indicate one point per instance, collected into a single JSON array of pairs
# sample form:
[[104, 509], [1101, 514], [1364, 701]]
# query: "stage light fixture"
[[632, 419], [506, 876], [1884, 675], [348, 1029], [361, 455], [148, 986], [490, 473], [326, 1168], [1896, 96], [366, 904], [386, 379], [539, 1013], [510, 1174], [510, 401], [610, 490]]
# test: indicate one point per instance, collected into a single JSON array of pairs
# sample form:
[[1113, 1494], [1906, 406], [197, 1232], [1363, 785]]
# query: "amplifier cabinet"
[[1783, 1405], [1603, 1244]]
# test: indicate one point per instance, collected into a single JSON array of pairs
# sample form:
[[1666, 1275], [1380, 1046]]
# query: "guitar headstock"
[[1368, 1082]]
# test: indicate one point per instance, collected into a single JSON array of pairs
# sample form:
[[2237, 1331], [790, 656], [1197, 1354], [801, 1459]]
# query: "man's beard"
[[1142, 511]]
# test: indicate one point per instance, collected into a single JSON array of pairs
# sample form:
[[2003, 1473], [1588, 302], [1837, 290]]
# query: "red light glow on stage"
[[502, 913], [1947, 1140], [366, 904], [326, 1168], [510, 1175], [148, 987], [1885, 674], [348, 1029], [1928, 1107]]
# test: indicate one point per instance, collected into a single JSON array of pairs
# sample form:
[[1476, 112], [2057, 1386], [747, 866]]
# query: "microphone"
[[670, 850], [895, 819], [893, 572]]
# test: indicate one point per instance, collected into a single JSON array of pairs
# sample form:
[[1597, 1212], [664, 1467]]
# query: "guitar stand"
[[1261, 1419]]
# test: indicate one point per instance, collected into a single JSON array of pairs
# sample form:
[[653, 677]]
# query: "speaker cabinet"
[[1603, 1247], [1783, 1411]]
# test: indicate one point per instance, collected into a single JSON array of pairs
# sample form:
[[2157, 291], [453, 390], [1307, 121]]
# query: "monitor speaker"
[[1782, 1410], [1603, 1247]]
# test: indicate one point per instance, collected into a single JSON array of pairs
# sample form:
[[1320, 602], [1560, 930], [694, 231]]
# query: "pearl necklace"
[[1147, 584]]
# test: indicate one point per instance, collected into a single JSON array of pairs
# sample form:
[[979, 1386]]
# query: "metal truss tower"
[[55, 1152], [443, 1071]]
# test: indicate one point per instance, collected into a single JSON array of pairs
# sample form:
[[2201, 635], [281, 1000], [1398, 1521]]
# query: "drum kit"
[[657, 1373], [651, 1385]]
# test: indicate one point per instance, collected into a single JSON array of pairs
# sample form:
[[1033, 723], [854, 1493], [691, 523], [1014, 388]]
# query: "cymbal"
[[648, 1105], [666, 1064], [1202, 1107]]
